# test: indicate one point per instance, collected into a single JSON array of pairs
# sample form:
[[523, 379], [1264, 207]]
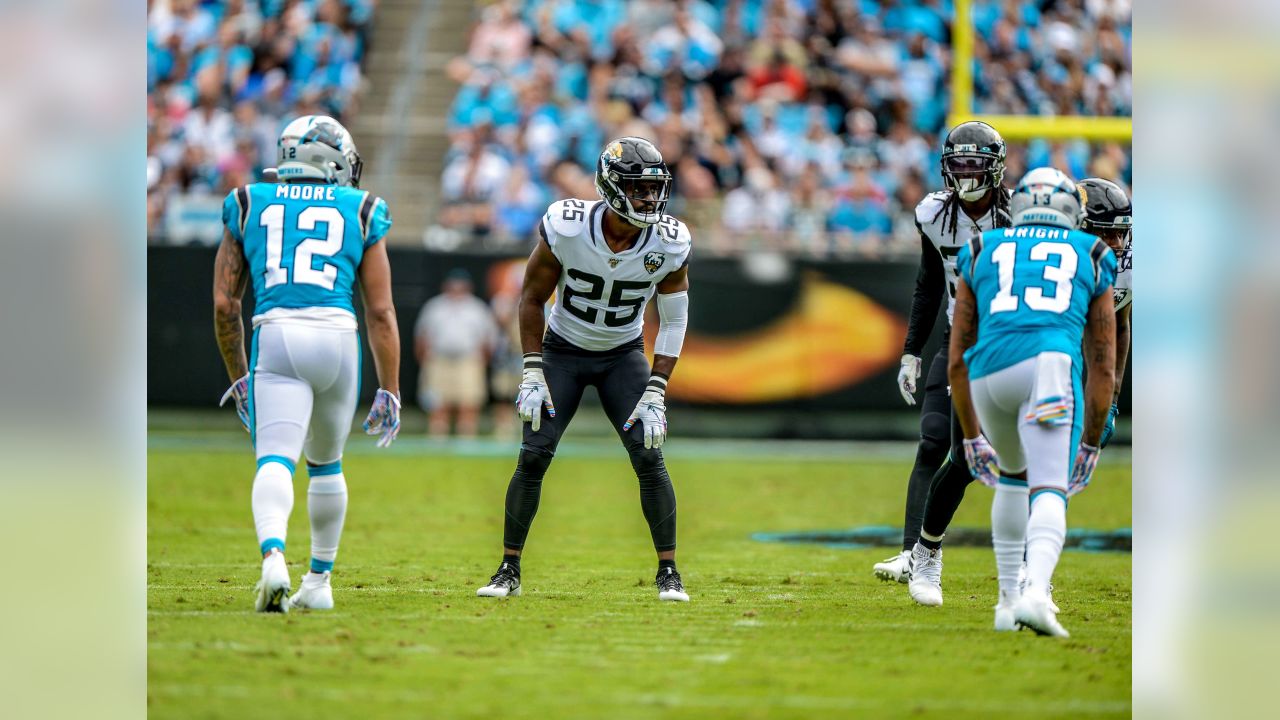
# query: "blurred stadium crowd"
[[807, 125], [223, 79]]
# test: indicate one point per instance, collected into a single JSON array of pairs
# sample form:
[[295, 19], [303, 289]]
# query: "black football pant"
[[937, 482], [619, 376]]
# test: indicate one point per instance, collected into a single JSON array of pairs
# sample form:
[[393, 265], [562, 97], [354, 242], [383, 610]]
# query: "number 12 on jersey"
[[1061, 275], [272, 220]]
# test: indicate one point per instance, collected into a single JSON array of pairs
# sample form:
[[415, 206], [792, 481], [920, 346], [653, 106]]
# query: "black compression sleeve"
[[930, 282]]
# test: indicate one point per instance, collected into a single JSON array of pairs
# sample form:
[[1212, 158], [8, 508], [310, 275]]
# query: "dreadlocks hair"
[[950, 210]]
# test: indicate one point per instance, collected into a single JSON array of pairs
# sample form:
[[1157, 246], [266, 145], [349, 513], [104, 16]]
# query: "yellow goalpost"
[[1017, 127]]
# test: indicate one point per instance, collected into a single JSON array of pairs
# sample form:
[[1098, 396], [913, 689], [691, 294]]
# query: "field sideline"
[[774, 630]]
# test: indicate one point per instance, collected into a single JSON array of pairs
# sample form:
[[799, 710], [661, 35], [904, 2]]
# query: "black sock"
[[666, 564], [513, 561], [931, 544]]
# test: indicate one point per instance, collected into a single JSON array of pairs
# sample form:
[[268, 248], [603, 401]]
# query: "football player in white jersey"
[[1109, 215], [975, 200], [303, 244], [604, 260]]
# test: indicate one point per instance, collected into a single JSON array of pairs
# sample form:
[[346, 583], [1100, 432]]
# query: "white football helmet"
[[1046, 196], [317, 147]]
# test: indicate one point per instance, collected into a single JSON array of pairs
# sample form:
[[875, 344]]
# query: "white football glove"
[[239, 391], [907, 376], [1082, 470], [982, 461], [652, 414], [384, 418], [534, 394]]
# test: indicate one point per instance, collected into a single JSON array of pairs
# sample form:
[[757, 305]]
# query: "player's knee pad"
[[648, 463], [935, 437], [532, 464]]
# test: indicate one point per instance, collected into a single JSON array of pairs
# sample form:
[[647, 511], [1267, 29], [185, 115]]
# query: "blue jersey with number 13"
[[303, 242], [1032, 285]]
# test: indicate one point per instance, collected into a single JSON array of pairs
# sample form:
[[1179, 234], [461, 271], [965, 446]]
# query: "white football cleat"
[[894, 569], [670, 587], [926, 576], [273, 588], [314, 593], [1004, 612], [1022, 586], [1036, 612], [504, 583]]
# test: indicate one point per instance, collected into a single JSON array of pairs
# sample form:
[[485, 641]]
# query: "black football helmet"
[[973, 160], [633, 180], [1108, 212]]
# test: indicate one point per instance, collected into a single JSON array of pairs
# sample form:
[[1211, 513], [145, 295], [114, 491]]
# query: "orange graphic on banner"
[[834, 337]]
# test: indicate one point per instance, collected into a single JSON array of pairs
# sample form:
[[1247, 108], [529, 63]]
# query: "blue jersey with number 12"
[[303, 242], [1032, 285]]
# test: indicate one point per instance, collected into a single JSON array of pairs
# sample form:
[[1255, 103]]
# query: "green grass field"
[[773, 630]]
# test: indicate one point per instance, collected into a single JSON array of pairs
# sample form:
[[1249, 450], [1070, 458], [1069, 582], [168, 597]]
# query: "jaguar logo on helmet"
[[614, 150], [653, 261]]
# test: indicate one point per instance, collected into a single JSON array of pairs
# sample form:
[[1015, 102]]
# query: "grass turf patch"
[[773, 630]]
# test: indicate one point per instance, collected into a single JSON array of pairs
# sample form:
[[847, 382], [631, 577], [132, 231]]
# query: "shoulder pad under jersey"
[[673, 235], [568, 217], [928, 207]]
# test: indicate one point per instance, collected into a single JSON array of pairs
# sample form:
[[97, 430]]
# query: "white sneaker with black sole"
[[314, 593], [925, 585], [894, 569], [1035, 611], [273, 588], [669, 586], [504, 583]]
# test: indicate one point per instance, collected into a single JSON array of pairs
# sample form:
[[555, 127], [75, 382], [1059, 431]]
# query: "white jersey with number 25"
[[601, 296]]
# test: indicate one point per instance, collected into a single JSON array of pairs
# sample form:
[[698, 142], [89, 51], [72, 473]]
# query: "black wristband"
[[533, 361], [658, 381]]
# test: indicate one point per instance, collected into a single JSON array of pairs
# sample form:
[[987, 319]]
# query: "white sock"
[[1046, 532], [327, 508], [272, 503], [1009, 534]]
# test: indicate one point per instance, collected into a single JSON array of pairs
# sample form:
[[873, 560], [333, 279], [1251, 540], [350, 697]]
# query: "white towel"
[[1052, 396]]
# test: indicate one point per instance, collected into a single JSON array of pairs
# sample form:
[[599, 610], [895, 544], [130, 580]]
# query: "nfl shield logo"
[[613, 262], [653, 261]]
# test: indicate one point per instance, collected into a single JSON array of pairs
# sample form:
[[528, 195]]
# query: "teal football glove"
[[1110, 428]]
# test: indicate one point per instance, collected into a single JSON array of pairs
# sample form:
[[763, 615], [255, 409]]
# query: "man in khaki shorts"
[[454, 336]]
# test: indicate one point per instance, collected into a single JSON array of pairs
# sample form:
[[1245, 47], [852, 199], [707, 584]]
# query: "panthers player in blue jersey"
[[1029, 296], [303, 244]]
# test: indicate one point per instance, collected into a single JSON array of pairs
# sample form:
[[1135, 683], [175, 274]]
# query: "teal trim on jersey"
[[1015, 482], [333, 468], [271, 544], [253, 367], [277, 459], [321, 566], [1039, 492], [1077, 420]]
